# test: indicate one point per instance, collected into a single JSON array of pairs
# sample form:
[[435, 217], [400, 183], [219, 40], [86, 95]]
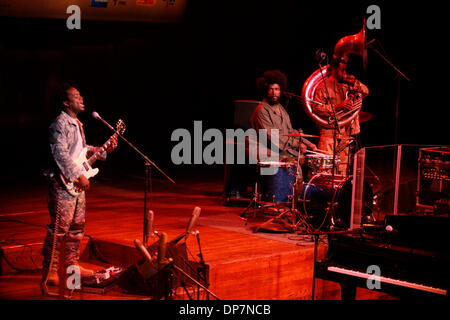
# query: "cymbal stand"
[[297, 189], [259, 207], [298, 184], [255, 203]]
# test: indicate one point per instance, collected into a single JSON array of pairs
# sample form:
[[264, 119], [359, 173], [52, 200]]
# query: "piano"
[[404, 256]]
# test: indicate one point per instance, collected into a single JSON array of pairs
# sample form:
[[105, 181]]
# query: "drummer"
[[270, 114]]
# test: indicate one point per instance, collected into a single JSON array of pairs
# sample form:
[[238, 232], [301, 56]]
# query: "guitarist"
[[67, 212], [340, 88]]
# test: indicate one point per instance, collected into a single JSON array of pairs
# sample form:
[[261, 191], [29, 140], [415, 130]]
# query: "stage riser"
[[282, 276], [279, 276], [285, 276]]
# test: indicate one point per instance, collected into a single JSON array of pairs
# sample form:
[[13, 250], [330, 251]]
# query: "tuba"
[[352, 44]]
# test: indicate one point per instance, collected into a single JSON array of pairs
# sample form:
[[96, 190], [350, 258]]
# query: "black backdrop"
[[159, 77]]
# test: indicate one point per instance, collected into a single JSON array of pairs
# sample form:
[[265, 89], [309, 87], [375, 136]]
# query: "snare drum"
[[277, 187], [321, 162]]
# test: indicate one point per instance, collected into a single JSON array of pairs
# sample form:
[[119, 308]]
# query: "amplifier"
[[433, 182]]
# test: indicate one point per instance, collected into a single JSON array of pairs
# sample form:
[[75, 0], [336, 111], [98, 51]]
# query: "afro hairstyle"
[[271, 77]]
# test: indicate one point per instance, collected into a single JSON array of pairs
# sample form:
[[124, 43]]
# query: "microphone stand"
[[399, 73], [148, 189], [301, 98], [201, 271], [335, 131], [351, 152], [148, 163], [192, 279]]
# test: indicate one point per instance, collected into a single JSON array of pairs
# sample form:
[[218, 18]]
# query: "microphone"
[[146, 269], [162, 249], [193, 220], [191, 224], [150, 222], [320, 55], [390, 229], [95, 115], [148, 226], [140, 247]]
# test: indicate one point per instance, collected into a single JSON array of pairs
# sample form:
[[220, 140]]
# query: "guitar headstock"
[[120, 126]]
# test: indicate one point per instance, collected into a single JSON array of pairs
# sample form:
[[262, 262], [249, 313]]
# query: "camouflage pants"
[[71, 222]]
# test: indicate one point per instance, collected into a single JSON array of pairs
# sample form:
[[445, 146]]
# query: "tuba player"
[[345, 93]]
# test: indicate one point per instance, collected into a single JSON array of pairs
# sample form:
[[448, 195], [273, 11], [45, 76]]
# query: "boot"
[[50, 273], [53, 278], [73, 253]]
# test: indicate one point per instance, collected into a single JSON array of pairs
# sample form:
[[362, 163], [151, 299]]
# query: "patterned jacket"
[[67, 140]]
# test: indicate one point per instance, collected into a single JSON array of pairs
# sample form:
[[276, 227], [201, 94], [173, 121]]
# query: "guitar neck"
[[98, 153]]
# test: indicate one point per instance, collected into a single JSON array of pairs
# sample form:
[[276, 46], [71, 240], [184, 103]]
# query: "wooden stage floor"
[[243, 265]]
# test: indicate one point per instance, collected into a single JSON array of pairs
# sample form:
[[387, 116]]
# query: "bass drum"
[[278, 187], [317, 195]]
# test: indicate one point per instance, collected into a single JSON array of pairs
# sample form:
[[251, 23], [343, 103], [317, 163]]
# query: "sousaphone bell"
[[352, 44]]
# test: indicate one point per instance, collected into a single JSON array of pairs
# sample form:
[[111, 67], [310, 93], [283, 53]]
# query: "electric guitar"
[[86, 164]]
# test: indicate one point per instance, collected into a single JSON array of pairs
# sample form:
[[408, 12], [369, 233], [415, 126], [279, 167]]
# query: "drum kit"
[[283, 202], [325, 198]]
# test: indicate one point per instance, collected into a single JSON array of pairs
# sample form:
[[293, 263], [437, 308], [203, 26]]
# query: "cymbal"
[[299, 135], [365, 116]]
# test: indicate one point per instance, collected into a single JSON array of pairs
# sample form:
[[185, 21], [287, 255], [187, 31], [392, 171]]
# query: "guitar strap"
[[80, 127]]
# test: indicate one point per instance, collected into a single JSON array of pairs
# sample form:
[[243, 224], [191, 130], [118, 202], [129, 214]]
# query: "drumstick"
[[315, 152]]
